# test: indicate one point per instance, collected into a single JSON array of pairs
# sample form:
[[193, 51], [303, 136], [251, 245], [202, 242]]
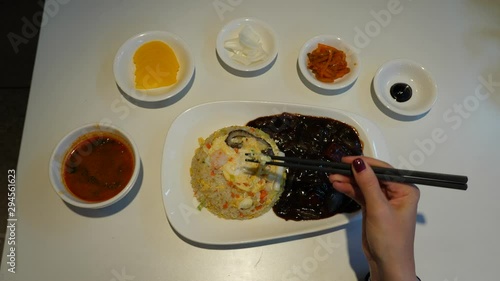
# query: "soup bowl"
[[94, 166]]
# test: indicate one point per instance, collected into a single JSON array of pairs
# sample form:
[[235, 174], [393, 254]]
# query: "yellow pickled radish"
[[155, 66]]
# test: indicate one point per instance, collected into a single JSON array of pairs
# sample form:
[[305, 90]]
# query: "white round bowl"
[[124, 68], [330, 40], [424, 89], [232, 29], [63, 148]]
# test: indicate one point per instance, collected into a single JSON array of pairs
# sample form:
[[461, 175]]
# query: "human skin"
[[389, 212]]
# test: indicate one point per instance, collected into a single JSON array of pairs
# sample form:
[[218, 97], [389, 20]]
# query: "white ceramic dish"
[[63, 147], [424, 89], [200, 121], [124, 67], [231, 31], [330, 40]]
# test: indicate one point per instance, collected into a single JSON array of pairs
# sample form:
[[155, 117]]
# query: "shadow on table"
[[357, 258], [259, 243], [245, 74], [349, 227], [353, 229], [115, 208], [162, 103]]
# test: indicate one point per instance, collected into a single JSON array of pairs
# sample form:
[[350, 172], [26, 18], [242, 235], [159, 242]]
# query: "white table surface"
[[73, 84]]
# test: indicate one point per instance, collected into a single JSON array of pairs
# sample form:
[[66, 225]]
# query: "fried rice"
[[228, 186]]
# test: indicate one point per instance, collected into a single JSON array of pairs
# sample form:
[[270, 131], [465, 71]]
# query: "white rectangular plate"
[[204, 228]]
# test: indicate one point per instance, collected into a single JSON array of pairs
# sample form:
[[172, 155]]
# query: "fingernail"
[[359, 165]]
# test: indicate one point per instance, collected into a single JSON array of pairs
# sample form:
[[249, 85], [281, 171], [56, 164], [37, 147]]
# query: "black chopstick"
[[385, 174], [379, 170]]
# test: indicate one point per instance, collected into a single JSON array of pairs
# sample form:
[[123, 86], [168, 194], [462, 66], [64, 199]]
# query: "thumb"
[[368, 184]]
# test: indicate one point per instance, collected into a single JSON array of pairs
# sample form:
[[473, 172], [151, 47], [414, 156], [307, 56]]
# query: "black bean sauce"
[[401, 92], [309, 195]]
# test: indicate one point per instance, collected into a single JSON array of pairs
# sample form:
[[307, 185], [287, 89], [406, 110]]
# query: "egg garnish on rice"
[[229, 186]]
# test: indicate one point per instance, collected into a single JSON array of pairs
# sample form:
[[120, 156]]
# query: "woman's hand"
[[389, 216]]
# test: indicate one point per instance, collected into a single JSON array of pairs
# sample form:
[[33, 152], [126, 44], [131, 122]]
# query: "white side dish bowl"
[[424, 89], [251, 33], [124, 68], [333, 41]]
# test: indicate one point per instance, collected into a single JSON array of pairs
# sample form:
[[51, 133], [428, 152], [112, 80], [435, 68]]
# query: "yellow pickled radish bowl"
[[155, 66]]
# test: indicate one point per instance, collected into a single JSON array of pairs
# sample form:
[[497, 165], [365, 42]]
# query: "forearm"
[[403, 270]]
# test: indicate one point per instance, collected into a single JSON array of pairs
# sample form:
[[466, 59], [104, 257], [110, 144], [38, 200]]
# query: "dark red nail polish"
[[359, 165]]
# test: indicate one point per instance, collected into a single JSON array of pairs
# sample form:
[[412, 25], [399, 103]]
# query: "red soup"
[[98, 166]]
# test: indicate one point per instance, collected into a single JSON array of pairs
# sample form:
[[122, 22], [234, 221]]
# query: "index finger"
[[368, 184], [369, 160]]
